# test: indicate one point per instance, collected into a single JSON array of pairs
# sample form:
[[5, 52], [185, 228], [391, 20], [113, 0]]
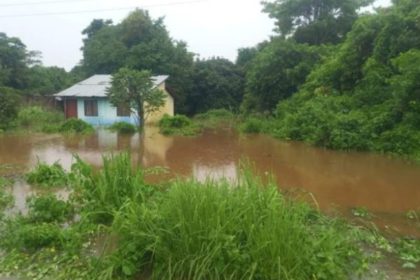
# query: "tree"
[[277, 72], [314, 21], [135, 89], [217, 84], [47, 80], [14, 61], [138, 42], [9, 103]]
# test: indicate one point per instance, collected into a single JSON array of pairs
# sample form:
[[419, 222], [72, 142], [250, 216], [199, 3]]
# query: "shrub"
[[252, 125], [48, 175], [215, 118], [40, 119], [9, 105], [47, 209], [123, 127], [24, 236], [179, 124], [76, 126]]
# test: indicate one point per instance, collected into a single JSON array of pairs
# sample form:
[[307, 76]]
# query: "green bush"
[[9, 106], [76, 126], [24, 236], [252, 125], [178, 125], [39, 119], [45, 175], [123, 127], [215, 118], [47, 208]]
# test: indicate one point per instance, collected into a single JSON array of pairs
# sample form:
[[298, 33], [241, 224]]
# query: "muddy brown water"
[[387, 187]]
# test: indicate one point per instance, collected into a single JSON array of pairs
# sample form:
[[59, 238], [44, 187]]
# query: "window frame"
[[91, 107]]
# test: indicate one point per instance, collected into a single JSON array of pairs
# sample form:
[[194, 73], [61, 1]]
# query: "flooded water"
[[387, 187]]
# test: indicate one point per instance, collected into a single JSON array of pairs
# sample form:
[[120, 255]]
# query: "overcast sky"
[[210, 27]]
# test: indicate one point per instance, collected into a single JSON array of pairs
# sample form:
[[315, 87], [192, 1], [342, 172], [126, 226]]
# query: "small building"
[[87, 100]]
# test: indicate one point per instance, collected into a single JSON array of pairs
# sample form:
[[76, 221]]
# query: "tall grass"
[[104, 193], [38, 119], [216, 230]]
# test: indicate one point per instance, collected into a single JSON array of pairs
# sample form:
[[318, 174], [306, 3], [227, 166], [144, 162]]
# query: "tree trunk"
[[140, 115]]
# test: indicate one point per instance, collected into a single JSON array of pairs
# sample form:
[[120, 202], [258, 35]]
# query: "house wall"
[[107, 113], [168, 108]]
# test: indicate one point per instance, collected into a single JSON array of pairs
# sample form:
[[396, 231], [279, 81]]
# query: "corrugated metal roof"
[[97, 85]]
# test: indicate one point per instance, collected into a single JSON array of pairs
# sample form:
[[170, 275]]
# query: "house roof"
[[97, 85]]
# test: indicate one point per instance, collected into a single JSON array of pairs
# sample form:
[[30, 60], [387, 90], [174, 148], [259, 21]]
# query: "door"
[[71, 108]]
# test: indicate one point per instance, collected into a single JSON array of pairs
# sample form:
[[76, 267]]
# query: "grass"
[[6, 199], [183, 229], [218, 231], [123, 127]]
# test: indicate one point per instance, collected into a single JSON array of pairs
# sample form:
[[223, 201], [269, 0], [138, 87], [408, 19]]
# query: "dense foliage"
[[123, 127], [314, 21], [178, 125], [9, 106], [217, 84], [277, 71], [365, 95]]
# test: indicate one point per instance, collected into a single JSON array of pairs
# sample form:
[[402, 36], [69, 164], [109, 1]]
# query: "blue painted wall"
[[107, 113]]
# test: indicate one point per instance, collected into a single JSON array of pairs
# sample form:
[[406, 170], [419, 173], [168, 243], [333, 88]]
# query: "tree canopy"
[[141, 43], [217, 83], [314, 21], [135, 89]]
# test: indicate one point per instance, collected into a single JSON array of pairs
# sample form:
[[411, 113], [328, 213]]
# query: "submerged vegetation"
[[182, 125], [117, 226], [123, 127], [178, 125], [45, 175], [76, 126]]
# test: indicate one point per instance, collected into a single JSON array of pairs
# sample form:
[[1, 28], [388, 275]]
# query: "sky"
[[210, 27]]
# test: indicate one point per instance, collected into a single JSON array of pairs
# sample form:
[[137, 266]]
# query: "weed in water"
[[37, 118], [47, 209], [361, 212], [123, 127], [215, 118], [178, 125], [45, 175], [76, 126]]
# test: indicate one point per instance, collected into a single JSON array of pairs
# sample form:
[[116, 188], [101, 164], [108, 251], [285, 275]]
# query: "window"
[[91, 108], [123, 111]]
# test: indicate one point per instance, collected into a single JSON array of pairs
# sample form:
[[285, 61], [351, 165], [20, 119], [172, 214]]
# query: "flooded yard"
[[387, 187]]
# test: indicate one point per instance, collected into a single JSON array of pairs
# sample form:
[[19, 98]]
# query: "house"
[[87, 100]]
